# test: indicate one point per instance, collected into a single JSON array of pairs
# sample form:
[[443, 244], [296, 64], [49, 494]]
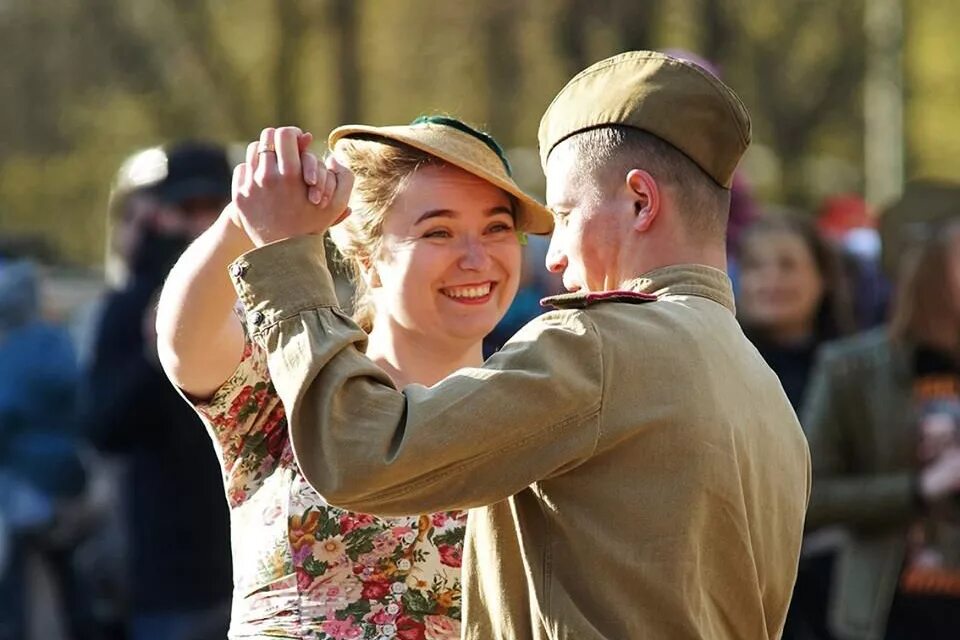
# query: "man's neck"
[[410, 357], [646, 261]]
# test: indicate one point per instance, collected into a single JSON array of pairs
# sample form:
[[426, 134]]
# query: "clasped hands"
[[282, 190]]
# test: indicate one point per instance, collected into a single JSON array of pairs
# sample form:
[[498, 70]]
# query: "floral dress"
[[304, 569]]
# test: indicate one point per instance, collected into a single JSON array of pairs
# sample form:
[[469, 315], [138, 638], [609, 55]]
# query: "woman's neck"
[[410, 357]]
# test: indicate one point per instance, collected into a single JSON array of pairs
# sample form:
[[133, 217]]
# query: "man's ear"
[[646, 198]]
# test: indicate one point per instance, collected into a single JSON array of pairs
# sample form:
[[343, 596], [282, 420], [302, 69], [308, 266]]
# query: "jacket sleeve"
[[844, 492], [476, 437]]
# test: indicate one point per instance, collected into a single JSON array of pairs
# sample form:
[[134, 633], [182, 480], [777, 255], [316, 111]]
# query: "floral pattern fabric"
[[307, 570]]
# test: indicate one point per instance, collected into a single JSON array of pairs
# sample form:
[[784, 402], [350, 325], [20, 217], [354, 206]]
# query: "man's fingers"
[[310, 165], [329, 187], [309, 174], [305, 140], [343, 184], [316, 193], [287, 141]]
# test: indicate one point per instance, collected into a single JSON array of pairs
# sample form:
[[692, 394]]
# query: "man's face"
[[590, 223]]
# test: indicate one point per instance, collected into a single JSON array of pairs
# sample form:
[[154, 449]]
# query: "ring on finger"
[[266, 148]]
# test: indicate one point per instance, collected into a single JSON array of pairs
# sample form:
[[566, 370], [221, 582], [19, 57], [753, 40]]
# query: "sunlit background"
[[849, 98], [846, 96]]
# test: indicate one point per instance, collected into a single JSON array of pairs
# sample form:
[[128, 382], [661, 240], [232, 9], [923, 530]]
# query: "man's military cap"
[[676, 100]]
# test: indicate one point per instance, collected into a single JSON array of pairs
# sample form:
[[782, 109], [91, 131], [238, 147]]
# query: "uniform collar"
[[676, 280], [687, 280]]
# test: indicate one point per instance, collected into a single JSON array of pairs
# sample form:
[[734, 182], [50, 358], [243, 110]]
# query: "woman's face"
[[449, 265], [780, 284]]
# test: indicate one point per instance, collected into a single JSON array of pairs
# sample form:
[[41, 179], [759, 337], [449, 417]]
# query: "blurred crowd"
[[110, 488]]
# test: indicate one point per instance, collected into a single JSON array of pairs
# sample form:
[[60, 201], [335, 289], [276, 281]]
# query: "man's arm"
[[476, 437]]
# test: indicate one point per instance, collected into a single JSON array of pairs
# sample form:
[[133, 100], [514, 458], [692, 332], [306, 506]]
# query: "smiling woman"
[[421, 232], [433, 243]]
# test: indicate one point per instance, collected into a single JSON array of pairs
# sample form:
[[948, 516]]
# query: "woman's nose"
[[474, 256]]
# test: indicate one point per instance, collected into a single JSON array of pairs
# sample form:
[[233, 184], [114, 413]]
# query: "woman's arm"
[[200, 340], [199, 337]]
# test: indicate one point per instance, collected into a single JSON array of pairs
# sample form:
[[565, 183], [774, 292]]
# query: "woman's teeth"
[[468, 292]]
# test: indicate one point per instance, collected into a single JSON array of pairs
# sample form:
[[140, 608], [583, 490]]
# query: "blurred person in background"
[[173, 501], [433, 244], [42, 475], [882, 419], [847, 223], [793, 297]]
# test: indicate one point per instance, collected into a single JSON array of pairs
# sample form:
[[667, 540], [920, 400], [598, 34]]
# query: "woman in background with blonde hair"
[[433, 240]]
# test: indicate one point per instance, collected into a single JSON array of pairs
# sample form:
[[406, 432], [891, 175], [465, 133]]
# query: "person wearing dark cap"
[[174, 509], [633, 467]]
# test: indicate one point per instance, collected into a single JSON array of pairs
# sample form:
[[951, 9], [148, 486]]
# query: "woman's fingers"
[[239, 175], [266, 157], [251, 164], [287, 141]]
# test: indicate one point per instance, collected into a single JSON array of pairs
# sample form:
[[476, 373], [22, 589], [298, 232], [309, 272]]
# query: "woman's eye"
[[438, 233], [500, 227]]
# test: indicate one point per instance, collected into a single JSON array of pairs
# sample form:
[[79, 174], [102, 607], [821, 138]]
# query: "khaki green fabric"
[[633, 470], [675, 100]]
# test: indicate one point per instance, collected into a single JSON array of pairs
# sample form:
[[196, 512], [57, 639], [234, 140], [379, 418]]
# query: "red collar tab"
[[582, 300]]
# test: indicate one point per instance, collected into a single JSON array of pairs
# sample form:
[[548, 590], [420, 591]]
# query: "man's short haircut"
[[610, 152]]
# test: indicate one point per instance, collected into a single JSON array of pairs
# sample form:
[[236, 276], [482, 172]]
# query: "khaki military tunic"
[[634, 468]]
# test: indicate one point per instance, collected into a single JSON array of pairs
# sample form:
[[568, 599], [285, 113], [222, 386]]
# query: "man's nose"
[[556, 259]]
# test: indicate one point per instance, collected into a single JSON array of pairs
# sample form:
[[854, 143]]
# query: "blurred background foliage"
[[83, 83]]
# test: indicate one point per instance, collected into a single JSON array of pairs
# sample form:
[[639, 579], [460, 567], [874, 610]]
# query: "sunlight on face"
[[449, 266], [588, 234]]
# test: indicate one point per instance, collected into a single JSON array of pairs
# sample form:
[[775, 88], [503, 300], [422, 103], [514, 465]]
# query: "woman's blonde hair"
[[381, 167]]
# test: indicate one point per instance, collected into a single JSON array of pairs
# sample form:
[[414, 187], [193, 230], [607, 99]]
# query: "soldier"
[[634, 467]]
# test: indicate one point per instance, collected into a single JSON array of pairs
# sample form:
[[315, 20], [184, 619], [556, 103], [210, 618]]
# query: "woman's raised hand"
[[282, 190]]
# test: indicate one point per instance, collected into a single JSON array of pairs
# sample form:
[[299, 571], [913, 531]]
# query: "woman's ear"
[[646, 198]]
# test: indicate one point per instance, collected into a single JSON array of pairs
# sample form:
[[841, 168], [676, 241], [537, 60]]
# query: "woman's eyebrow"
[[436, 213], [450, 213]]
